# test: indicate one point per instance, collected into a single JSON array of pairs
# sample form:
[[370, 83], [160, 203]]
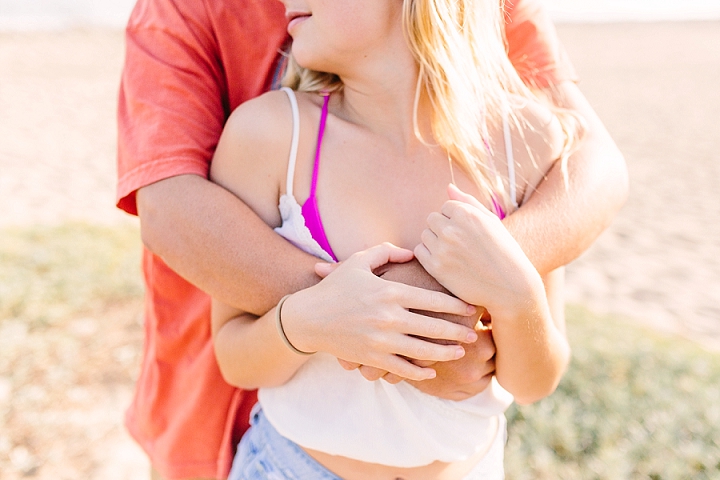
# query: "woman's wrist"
[[289, 321], [281, 329], [530, 301]]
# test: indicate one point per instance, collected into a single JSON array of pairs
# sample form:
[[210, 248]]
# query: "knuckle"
[[485, 346], [423, 351], [404, 325], [373, 344], [426, 258], [451, 234], [465, 210], [434, 329], [386, 246], [487, 351], [439, 232], [388, 294], [434, 299], [432, 217], [385, 321], [490, 367], [471, 375]]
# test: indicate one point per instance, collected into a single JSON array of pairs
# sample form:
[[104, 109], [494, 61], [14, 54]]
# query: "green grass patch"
[[70, 345], [633, 405], [50, 273]]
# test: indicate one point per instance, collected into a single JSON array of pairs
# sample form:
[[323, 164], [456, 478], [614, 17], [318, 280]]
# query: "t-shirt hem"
[[169, 470], [151, 172]]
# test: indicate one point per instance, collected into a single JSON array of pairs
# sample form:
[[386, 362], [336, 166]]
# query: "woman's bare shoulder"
[[261, 122], [251, 157]]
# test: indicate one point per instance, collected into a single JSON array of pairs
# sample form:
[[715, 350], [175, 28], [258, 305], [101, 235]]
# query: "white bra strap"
[[510, 159], [295, 139]]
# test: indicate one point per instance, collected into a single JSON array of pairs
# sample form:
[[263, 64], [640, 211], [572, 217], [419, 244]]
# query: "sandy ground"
[[57, 148], [654, 85]]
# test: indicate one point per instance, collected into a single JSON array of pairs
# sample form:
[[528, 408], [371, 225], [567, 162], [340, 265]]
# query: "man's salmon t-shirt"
[[188, 65]]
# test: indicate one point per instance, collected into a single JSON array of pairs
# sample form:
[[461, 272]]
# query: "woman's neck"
[[381, 98]]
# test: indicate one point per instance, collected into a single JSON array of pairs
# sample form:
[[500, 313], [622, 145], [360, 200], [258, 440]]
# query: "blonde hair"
[[460, 50]]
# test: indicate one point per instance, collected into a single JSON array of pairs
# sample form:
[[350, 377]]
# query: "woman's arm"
[[252, 354], [249, 350], [532, 348], [333, 316], [469, 251]]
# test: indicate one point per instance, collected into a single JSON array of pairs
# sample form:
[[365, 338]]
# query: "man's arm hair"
[[168, 129], [557, 224], [240, 260]]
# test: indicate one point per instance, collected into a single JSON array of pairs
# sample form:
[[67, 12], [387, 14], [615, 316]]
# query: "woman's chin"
[[310, 58], [306, 61]]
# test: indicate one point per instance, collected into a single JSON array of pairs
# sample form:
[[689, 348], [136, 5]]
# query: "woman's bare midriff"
[[350, 469]]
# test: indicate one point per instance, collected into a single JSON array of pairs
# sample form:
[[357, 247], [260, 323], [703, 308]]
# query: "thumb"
[[379, 255], [458, 195], [324, 269]]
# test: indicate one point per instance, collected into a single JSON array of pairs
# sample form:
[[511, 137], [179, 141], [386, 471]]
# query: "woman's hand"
[[469, 251], [354, 315], [457, 379]]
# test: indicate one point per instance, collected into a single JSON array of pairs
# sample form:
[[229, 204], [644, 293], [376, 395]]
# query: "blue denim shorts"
[[264, 454]]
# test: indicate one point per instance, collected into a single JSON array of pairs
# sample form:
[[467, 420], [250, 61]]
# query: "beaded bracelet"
[[281, 330]]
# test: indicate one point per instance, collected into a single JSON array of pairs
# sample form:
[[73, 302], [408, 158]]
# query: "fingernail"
[[471, 310], [431, 374], [471, 337], [459, 352]]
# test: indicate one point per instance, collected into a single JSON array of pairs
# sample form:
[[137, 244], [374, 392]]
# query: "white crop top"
[[326, 408]]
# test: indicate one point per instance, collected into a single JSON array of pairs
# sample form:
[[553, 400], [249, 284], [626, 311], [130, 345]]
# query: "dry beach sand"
[[654, 85]]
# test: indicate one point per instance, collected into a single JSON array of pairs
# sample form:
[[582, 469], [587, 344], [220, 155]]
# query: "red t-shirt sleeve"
[[174, 99], [172, 105], [533, 45]]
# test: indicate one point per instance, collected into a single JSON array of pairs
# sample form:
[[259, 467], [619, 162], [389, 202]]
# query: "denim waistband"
[[265, 454]]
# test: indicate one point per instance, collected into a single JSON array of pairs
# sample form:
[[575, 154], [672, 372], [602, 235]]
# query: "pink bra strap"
[[499, 211], [321, 132]]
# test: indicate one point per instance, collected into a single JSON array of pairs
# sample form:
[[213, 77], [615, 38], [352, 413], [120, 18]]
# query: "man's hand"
[[466, 377]]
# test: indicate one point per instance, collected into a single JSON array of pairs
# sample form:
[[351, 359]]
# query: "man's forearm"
[[456, 379], [216, 242], [557, 224]]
